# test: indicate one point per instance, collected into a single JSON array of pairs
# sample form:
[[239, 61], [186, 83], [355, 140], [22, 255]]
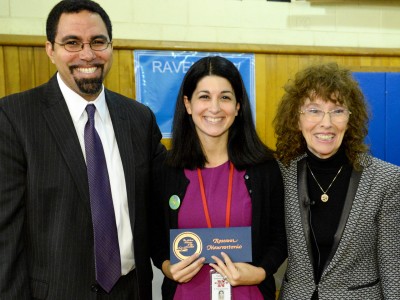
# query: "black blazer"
[[265, 186], [46, 236]]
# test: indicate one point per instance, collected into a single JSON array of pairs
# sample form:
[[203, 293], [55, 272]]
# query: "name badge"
[[220, 287], [234, 241]]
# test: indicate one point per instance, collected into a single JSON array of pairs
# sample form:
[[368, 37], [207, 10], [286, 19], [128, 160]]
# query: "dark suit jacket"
[[265, 186], [46, 236]]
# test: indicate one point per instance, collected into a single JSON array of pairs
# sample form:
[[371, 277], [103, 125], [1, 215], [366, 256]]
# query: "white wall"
[[352, 23]]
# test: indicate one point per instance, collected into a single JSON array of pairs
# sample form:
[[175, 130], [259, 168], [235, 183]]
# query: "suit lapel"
[[304, 204], [350, 199], [352, 210], [61, 125]]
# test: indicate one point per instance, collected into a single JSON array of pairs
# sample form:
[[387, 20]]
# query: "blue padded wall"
[[393, 118], [382, 91]]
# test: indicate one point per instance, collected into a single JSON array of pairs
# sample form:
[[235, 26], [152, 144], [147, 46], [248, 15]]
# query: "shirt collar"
[[76, 104]]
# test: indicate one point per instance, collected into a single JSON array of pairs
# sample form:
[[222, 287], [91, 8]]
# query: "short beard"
[[90, 86]]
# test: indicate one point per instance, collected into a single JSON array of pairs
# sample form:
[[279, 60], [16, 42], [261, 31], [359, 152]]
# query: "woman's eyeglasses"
[[338, 115]]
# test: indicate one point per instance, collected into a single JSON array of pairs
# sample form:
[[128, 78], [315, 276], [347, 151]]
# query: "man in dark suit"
[[47, 227]]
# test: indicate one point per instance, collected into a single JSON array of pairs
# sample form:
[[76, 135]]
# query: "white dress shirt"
[[76, 105]]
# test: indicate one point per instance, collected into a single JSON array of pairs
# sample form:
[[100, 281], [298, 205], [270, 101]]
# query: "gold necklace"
[[324, 196]]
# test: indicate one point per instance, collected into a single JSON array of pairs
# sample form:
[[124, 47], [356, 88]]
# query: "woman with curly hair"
[[341, 203]]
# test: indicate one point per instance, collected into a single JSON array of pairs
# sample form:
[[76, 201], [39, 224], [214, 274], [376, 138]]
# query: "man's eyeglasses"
[[76, 46], [315, 115]]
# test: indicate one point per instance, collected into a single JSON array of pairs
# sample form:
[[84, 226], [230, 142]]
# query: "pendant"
[[324, 197]]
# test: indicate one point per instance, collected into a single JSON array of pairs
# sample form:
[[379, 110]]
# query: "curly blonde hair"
[[331, 83]]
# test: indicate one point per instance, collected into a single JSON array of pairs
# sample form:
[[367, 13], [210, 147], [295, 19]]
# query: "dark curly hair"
[[331, 83]]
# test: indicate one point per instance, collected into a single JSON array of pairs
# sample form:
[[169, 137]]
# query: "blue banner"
[[159, 74]]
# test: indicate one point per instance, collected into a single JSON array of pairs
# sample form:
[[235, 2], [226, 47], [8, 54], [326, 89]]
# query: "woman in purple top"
[[218, 173]]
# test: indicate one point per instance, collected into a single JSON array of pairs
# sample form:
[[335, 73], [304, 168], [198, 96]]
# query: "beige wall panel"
[[365, 61], [394, 62], [126, 73], [272, 92], [2, 74], [349, 61], [261, 94], [27, 66], [384, 62], [283, 72], [12, 75], [44, 69], [112, 79]]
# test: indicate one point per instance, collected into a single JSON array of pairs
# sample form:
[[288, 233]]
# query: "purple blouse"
[[191, 215]]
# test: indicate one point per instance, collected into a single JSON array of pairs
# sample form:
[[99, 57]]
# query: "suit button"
[[94, 288]]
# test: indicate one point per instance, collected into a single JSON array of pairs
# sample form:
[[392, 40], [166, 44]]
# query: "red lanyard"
[[228, 197]]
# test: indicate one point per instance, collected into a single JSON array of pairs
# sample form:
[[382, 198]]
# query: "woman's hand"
[[238, 273], [184, 270]]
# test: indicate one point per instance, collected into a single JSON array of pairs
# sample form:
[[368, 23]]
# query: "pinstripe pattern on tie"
[[107, 254]]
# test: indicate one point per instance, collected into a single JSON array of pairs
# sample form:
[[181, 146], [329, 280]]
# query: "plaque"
[[234, 241]]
